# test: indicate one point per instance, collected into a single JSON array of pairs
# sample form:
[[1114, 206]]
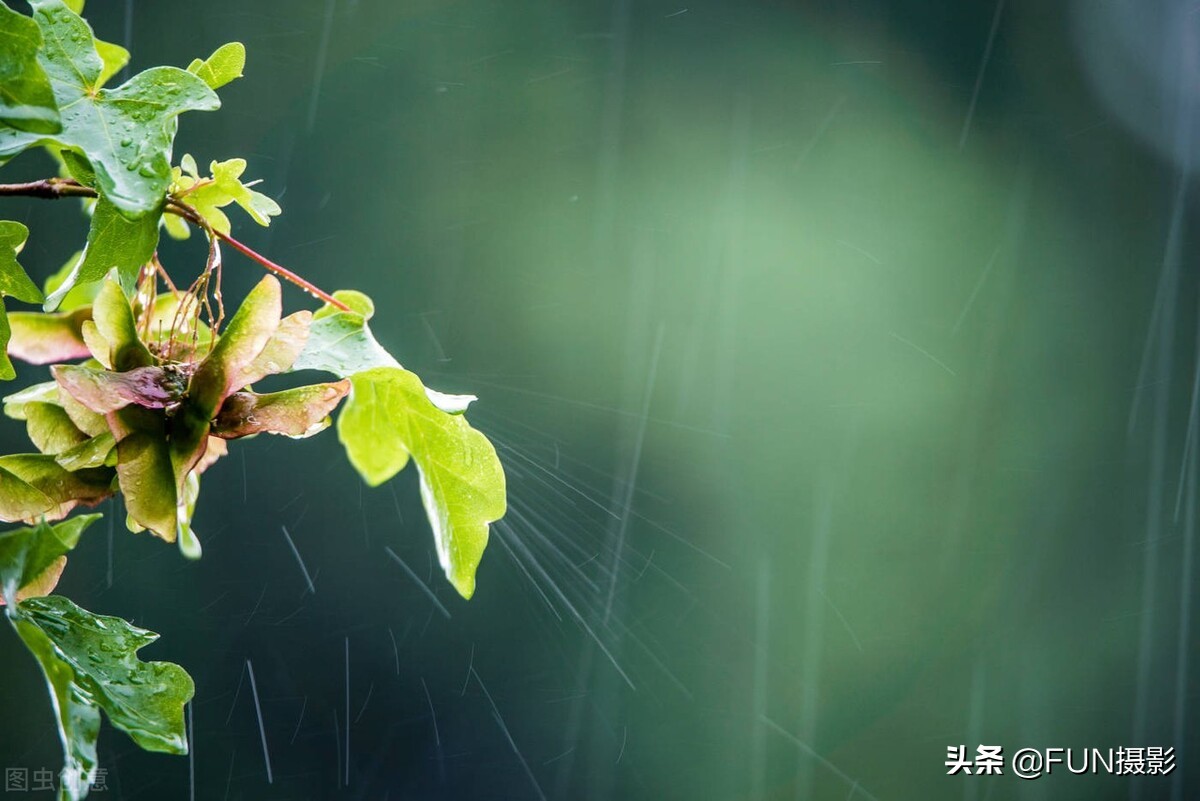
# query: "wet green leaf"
[[77, 168], [388, 418], [78, 718], [208, 195], [27, 553], [144, 469], [13, 283], [114, 322], [26, 98], [114, 242], [126, 133], [341, 342], [77, 298], [97, 451], [50, 428], [224, 65], [90, 663]]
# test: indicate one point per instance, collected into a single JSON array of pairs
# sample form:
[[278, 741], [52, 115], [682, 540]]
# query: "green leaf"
[[97, 451], [113, 57], [82, 295], [209, 195], [50, 428], [26, 554], [144, 469], [77, 167], [224, 65], [13, 283], [90, 663], [113, 318], [26, 98], [78, 717], [126, 133], [388, 418], [14, 404], [341, 342], [114, 242]]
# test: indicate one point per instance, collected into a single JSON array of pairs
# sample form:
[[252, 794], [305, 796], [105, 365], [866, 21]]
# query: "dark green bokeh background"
[[843, 402]]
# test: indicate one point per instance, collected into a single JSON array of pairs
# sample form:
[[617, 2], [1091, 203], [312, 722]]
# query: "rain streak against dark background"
[[841, 356]]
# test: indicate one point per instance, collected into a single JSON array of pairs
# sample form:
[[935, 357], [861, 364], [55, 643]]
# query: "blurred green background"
[[839, 354]]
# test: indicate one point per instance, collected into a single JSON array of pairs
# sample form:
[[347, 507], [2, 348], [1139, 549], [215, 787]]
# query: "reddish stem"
[[281, 271], [54, 188]]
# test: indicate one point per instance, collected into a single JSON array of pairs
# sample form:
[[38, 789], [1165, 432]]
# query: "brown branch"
[[56, 188], [49, 188]]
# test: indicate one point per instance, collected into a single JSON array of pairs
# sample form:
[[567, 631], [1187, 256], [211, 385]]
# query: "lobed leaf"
[[13, 283], [224, 65], [388, 418], [341, 342], [126, 133], [90, 663], [209, 195], [26, 97]]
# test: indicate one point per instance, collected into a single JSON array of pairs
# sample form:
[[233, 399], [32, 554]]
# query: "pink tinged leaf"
[[44, 583], [48, 338], [61, 490], [103, 391], [280, 351], [247, 334], [91, 423], [215, 449], [299, 412]]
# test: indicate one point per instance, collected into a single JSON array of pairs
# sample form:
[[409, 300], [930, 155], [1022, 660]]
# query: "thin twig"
[[55, 188]]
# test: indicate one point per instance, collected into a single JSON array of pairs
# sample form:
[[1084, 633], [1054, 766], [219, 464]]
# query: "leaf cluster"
[[149, 383]]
